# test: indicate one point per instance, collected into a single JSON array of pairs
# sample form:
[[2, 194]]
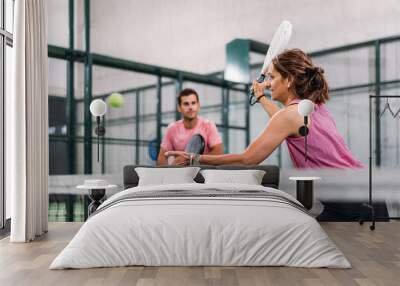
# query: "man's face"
[[189, 107]]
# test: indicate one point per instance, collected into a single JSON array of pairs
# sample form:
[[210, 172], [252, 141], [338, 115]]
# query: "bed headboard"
[[270, 179]]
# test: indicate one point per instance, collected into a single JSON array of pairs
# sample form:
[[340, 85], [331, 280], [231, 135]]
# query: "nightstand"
[[97, 191], [304, 190]]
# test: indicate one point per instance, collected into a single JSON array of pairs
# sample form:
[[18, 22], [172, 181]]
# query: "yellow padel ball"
[[115, 100]]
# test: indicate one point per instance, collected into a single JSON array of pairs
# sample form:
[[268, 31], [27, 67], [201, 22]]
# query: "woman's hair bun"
[[313, 70]]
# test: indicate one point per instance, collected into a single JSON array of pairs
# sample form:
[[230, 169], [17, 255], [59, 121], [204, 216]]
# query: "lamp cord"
[[98, 142], [98, 136], [305, 147], [305, 137]]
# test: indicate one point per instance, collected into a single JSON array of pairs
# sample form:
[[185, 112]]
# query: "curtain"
[[27, 123]]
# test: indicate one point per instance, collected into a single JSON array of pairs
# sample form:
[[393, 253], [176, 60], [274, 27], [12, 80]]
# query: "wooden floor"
[[374, 255]]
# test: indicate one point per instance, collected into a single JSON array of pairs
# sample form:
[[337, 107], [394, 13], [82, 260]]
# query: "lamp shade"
[[305, 107], [98, 107]]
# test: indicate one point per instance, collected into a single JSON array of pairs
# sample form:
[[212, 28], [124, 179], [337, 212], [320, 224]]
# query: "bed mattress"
[[201, 225]]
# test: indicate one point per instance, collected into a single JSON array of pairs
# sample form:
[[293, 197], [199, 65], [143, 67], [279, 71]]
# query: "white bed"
[[225, 225]]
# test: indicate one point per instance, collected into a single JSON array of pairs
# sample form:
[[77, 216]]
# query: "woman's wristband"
[[191, 159], [194, 159], [259, 97]]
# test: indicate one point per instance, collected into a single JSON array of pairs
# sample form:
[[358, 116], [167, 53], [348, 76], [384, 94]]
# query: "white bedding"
[[182, 231]]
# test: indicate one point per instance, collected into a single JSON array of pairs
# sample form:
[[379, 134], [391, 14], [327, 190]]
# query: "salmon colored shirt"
[[177, 135]]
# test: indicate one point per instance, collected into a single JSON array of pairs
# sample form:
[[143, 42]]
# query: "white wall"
[[191, 35]]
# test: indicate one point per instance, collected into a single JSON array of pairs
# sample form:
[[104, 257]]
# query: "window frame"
[[6, 39]]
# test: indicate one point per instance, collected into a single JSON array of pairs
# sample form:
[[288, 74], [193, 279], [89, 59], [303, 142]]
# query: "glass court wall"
[[134, 130]]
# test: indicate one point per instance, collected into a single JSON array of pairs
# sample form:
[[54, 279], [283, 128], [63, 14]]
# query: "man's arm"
[[166, 145], [217, 149], [162, 159]]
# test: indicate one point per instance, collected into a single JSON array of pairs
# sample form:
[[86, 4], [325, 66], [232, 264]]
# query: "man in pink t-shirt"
[[179, 133]]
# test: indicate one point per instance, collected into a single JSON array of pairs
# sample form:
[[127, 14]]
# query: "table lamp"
[[305, 108], [98, 108]]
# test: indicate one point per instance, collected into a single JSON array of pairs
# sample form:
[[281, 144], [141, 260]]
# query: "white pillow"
[[249, 177], [164, 176]]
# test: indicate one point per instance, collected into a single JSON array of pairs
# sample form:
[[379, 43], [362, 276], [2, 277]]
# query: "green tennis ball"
[[115, 100]]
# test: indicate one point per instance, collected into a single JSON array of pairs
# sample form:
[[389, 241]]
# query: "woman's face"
[[278, 86]]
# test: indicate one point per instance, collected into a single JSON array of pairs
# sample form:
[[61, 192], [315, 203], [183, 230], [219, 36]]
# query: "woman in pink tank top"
[[291, 77]]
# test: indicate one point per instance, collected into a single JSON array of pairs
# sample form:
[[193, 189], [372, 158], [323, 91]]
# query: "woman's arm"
[[268, 105], [279, 127]]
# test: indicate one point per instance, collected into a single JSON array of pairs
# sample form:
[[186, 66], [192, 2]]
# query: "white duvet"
[[185, 231]]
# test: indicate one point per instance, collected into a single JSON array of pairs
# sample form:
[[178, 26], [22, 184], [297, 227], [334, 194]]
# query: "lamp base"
[[95, 195]]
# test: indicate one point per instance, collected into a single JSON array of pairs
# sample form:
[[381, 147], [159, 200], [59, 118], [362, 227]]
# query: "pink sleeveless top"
[[326, 147]]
